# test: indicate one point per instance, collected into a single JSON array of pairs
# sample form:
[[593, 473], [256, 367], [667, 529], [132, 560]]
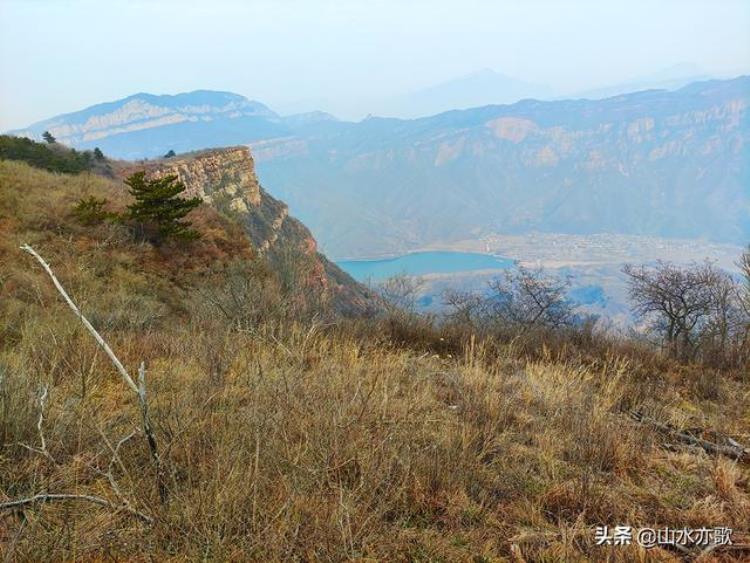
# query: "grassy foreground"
[[321, 438]]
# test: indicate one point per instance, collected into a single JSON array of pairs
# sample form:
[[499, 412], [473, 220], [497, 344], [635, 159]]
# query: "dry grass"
[[282, 440]]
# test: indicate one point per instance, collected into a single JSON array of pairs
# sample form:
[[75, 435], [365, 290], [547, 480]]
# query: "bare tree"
[[726, 332], [464, 308], [745, 300], [689, 307], [520, 300], [400, 292], [745, 268], [527, 299]]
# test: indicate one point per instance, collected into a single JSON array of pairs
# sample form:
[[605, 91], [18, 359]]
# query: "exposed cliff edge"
[[225, 179]]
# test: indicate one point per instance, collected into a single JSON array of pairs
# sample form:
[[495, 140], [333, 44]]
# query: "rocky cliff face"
[[225, 179]]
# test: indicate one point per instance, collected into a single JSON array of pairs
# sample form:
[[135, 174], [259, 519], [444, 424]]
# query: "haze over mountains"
[[489, 87], [476, 89], [672, 164], [665, 163], [669, 78]]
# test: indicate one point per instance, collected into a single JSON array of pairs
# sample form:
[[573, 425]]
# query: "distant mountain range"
[[489, 87], [666, 163], [670, 164]]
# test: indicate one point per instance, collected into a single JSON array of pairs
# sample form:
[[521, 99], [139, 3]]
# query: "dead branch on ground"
[[731, 448]]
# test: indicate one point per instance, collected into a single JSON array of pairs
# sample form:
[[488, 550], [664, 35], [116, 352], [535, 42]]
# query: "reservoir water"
[[421, 263]]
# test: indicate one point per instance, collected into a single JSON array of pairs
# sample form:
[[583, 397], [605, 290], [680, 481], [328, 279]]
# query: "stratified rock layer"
[[225, 179]]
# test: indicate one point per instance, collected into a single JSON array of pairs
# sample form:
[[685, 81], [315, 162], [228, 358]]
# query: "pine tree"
[[158, 210], [98, 154], [91, 211], [47, 136]]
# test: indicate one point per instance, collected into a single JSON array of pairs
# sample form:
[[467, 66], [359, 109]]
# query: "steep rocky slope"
[[225, 179]]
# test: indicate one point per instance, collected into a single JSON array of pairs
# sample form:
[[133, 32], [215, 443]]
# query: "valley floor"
[[593, 263], [556, 250]]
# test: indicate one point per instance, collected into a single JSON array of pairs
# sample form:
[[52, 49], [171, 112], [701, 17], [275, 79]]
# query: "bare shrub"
[[531, 298], [400, 292], [464, 308], [520, 301], [245, 294], [301, 281]]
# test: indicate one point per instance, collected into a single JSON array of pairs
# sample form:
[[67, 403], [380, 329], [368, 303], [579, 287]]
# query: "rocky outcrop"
[[225, 179]]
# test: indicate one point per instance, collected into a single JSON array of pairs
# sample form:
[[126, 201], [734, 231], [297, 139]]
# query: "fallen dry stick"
[[50, 497], [734, 450]]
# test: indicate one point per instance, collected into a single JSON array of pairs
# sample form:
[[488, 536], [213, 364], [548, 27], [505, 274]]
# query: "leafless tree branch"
[[43, 443], [120, 368], [139, 389]]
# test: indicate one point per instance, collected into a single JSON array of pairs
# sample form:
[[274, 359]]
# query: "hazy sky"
[[62, 55]]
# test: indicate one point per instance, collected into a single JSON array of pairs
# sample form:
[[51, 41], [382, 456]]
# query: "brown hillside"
[[291, 435]]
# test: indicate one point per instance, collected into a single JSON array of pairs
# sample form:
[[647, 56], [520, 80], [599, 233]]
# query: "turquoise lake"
[[421, 263]]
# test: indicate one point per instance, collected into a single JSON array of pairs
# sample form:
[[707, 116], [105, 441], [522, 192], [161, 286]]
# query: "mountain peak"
[[144, 112], [196, 97], [486, 71]]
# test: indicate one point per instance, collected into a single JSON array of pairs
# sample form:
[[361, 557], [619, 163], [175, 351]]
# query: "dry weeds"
[[310, 441]]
